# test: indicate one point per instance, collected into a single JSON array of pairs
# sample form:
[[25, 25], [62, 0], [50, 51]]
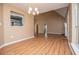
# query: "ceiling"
[[62, 11], [42, 7]]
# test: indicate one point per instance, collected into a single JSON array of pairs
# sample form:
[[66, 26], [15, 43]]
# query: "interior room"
[[39, 29]]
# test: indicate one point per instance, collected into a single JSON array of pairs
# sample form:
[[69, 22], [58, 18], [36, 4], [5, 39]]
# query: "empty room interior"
[[39, 29]]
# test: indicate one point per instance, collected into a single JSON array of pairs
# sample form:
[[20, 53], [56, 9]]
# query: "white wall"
[[14, 33], [74, 22], [78, 23], [74, 43]]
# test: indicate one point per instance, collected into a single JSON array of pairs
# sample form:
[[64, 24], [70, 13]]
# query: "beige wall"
[[69, 23], [54, 21], [1, 25], [14, 33]]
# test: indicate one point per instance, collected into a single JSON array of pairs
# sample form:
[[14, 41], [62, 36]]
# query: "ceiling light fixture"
[[29, 12], [30, 9], [33, 11], [37, 12], [36, 9]]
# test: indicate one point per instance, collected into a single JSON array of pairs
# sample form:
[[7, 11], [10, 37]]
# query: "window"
[[16, 19]]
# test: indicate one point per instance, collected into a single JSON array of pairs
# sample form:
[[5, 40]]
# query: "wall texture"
[[54, 21], [14, 33]]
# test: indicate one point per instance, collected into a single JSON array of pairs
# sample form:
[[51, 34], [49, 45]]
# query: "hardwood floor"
[[53, 45]]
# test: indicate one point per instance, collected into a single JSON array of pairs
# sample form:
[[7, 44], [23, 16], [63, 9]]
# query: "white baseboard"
[[6, 44], [54, 33], [76, 50], [0, 46], [71, 48]]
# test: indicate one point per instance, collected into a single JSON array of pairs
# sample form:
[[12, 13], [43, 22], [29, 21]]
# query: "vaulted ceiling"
[[62, 11], [42, 7]]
